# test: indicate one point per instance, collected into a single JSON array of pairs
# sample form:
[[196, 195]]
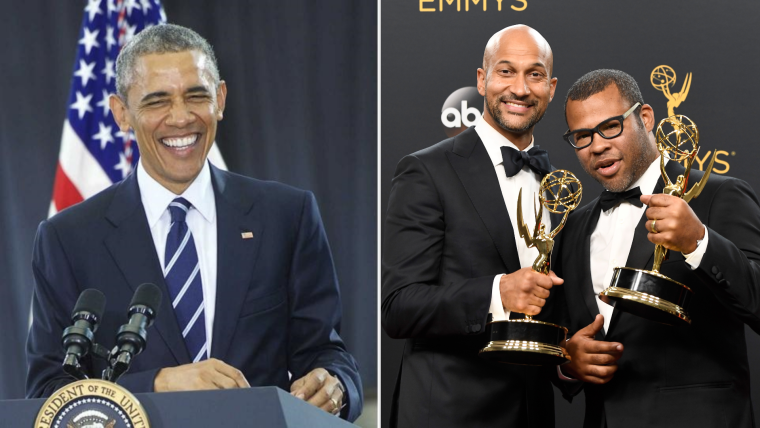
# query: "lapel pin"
[[247, 235]]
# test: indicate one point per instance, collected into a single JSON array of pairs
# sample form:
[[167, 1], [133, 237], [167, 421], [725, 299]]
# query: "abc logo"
[[459, 112]]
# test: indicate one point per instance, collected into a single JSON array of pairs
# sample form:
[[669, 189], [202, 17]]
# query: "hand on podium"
[[320, 389], [206, 374]]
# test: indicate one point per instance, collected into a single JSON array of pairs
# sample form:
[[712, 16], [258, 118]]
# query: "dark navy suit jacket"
[[278, 305]]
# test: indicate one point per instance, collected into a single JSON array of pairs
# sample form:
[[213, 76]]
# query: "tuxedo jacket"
[[686, 376], [447, 234], [277, 301]]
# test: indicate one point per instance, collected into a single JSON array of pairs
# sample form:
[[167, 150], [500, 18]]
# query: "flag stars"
[[85, 71], [93, 8], [104, 135], [130, 32], [124, 166], [82, 104], [145, 5], [125, 136], [111, 5], [110, 40], [130, 5], [89, 40], [108, 70], [104, 104]]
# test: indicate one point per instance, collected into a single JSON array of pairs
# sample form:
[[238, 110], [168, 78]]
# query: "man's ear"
[[221, 99], [119, 111], [552, 88], [482, 82], [647, 117]]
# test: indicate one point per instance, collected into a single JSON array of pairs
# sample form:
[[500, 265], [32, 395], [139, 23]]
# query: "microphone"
[[132, 336], [77, 339]]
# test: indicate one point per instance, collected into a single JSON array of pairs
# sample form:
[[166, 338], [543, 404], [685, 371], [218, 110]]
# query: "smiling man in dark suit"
[[250, 295], [637, 372], [451, 252]]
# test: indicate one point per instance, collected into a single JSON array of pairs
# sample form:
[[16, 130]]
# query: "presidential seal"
[[92, 404]]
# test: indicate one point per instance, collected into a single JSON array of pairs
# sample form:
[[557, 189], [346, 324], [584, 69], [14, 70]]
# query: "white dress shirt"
[[201, 220], [611, 240], [530, 183]]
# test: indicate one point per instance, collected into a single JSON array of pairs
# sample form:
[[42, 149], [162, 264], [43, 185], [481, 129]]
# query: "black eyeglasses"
[[610, 128]]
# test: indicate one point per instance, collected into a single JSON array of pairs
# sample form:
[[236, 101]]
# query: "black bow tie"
[[610, 199], [535, 159]]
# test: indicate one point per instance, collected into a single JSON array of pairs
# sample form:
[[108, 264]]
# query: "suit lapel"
[[589, 296], [475, 170], [132, 248], [236, 214]]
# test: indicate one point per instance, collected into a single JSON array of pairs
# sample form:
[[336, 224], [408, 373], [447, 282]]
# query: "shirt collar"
[[493, 141], [156, 198], [647, 182]]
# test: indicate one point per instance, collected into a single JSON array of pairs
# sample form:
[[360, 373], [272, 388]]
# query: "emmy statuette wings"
[[528, 341]]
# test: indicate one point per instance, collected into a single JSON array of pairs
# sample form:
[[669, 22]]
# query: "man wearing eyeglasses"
[[636, 372]]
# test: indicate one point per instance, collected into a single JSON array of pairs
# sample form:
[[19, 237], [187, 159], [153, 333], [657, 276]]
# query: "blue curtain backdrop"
[[301, 109]]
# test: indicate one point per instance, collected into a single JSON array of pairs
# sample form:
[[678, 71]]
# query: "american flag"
[[94, 152]]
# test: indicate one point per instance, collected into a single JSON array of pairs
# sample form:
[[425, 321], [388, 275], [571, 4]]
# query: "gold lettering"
[[701, 162], [718, 160], [459, 6], [499, 1], [519, 9], [424, 9], [467, 4]]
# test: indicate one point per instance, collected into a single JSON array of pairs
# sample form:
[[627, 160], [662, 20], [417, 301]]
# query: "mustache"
[[526, 100]]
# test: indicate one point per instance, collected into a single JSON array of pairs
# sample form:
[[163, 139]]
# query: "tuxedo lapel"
[[588, 227], [475, 170], [236, 215], [642, 250], [132, 248]]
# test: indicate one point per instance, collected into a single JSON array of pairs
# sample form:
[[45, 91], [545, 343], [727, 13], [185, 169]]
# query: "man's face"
[[618, 162], [173, 107], [516, 84]]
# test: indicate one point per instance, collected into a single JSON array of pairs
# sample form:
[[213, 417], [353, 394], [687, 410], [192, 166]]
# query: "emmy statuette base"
[[650, 295], [526, 342]]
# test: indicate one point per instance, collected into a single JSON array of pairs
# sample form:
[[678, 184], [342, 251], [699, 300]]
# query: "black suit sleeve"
[[730, 266], [414, 301]]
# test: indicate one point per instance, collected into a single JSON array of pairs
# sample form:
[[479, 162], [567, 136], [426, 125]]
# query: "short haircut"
[[160, 39], [596, 81]]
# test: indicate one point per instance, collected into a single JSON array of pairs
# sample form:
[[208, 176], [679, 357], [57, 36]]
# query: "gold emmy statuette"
[[662, 78], [528, 341], [650, 294]]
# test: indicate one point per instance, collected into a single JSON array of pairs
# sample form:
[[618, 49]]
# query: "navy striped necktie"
[[183, 277]]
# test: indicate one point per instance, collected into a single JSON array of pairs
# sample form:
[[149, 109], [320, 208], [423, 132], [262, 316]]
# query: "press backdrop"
[[432, 48]]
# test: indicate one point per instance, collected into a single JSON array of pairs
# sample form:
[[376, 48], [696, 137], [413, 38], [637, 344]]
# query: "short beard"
[[495, 112], [642, 156]]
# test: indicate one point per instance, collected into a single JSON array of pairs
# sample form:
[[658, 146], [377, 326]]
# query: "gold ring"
[[653, 228], [335, 403]]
